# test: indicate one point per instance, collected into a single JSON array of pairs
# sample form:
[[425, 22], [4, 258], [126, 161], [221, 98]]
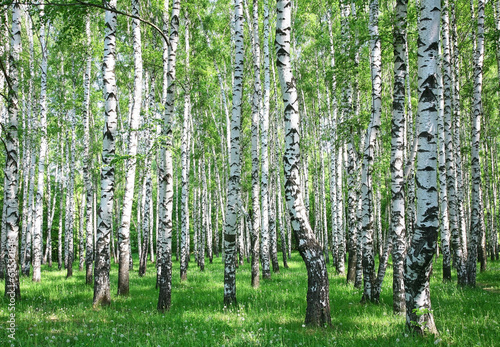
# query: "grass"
[[58, 312]]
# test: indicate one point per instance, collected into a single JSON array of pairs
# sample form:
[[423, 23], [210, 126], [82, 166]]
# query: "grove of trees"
[[361, 133]]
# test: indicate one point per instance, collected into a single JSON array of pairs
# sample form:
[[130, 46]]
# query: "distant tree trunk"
[[61, 209], [477, 223], [87, 159], [202, 210], [318, 302], [11, 162], [81, 242], [418, 264], [104, 223], [185, 177], [70, 212], [47, 259]]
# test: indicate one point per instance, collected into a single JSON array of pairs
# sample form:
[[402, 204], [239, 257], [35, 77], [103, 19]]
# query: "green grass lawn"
[[58, 312]]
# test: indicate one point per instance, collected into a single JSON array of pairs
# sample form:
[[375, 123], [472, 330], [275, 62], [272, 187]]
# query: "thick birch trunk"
[[367, 230], [318, 302], [476, 219], [124, 229], [104, 223], [38, 222], [166, 171], [398, 211], [233, 187], [418, 264], [257, 111], [459, 239], [11, 163]]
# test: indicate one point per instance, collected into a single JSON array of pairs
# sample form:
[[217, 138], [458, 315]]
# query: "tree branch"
[[102, 7]]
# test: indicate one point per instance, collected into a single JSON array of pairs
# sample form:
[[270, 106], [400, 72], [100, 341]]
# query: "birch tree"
[[318, 302], [233, 185], [104, 222], [38, 223], [397, 158], [477, 224], [11, 163], [418, 263], [166, 172], [369, 154], [124, 229], [87, 159]]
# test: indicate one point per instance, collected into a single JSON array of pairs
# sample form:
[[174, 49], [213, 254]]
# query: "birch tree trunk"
[[418, 264], [367, 230], [398, 226], [11, 162], [38, 222], [87, 159], [185, 177], [476, 221], [166, 171], [104, 222], [70, 202], [443, 191], [318, 302], [461, 238], [124, 229], [256, 112], [233, 187]]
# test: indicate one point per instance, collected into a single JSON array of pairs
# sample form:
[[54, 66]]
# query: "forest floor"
[[58, 312]]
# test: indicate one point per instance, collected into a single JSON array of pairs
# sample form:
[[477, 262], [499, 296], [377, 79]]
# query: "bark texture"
[[104, 221], [418, 264], [318, 302]]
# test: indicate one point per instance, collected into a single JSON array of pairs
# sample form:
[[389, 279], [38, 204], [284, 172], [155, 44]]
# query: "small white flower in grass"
[[406, 335], [53, 337], [397, 340], [68, 340], [88, 334], [46, 337], [437, 341], [148, 334], [303, 325], [121, 335]]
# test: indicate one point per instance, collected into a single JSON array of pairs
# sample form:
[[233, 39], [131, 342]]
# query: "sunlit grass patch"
[[58, 311]]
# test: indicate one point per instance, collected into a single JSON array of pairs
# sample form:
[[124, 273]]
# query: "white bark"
[[185, 176], [367, 230], [130, 165], [11, 162], [476, 219], [318, 303], [418, 264], [398, 211], [165, 186], [233, 187], [38, 222], [104, 222], [87, 159]]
